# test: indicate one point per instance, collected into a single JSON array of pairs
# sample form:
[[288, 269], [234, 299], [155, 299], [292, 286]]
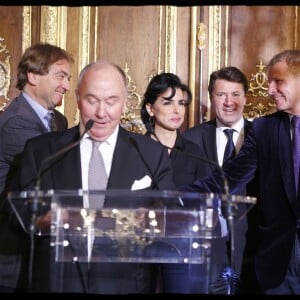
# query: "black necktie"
[[296, 148], [229, 149]]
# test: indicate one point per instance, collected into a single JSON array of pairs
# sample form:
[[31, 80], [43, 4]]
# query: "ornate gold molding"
[[54, 25], [4, 74], [171, 26], [84, 42], [160, 38], [201, 36], [296, 39], [49, 16], [53, 29], [214, 45], [131, 119], [258, 84], [258, 101], [192, 63], [215, 24], [84, 37], [218, 31], [26, 30]]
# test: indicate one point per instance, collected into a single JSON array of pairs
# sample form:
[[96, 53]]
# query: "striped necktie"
[[51, 122]]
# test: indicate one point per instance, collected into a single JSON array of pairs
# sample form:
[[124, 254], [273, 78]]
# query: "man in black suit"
[[268, 153], [132, 161], [43, 79], [227, 89]]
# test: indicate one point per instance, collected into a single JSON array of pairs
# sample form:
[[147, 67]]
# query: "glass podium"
[[121, 226]]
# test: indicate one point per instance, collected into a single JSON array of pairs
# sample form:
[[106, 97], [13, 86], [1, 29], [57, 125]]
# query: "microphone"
[[34, 207], [89, 124], [34, 204]]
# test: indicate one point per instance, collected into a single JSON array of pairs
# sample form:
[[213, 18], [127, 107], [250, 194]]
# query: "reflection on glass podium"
[[135, 227]]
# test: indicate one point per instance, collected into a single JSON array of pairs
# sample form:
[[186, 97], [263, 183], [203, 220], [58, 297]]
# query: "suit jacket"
[[135, 156], [187, 166], [205, 136], [18, 123], [267, 150]]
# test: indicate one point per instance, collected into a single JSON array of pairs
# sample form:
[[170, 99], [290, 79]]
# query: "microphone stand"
[[230, 217], [228, 275], [34, 204]]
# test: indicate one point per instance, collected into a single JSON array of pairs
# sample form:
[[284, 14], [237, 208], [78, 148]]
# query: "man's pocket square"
[[143, 183]]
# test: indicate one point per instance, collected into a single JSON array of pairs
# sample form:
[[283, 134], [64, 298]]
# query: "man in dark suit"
[[227, 89], [268, 151], [132, 162], [43, 79]]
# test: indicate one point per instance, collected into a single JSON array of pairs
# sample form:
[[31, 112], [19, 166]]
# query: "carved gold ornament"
[[4, 74], [130, 119], [258, 101]]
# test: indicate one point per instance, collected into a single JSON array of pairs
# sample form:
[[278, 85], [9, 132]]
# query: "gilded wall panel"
[[5, 74]]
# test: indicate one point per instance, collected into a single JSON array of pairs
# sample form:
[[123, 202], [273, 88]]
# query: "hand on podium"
[[43, 222]]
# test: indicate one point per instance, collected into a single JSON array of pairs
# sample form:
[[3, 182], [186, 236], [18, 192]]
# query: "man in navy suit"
[[43, 79], [267, 152], [227, 89], [131, 160]]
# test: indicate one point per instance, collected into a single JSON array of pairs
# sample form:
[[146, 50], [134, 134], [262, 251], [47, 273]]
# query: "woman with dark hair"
[[163, 112]]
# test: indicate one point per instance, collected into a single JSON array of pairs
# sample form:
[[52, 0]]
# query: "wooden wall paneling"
[[257, 33], [218, 47], [296, 17], [11, 32], [197, 55], [131, 34], [200, 107], [133, 37], [183, 55], [35, 28], [150, 39], [73, 35]]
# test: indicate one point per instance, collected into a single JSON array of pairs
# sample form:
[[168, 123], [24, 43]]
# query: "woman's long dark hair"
[[157, 86]]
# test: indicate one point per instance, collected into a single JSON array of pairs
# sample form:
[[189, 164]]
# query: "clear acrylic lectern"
[[120, 226]]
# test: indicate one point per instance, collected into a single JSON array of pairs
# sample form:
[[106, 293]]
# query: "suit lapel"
[[122, 160], [247, 126], [68, 169], [28, 110], [286, 161], [209, 141]]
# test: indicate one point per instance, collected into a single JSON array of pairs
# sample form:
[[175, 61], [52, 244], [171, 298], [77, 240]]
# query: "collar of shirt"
[[221, 139], [107, 150], [40, 110], [238, 126]]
